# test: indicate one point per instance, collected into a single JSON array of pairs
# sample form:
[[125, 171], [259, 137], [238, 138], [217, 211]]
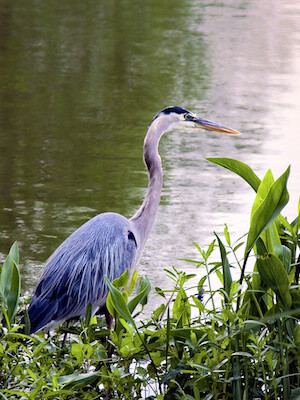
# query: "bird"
[[108, 244]]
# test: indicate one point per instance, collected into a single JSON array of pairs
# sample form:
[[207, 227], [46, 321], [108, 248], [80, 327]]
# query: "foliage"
[[240, 340]]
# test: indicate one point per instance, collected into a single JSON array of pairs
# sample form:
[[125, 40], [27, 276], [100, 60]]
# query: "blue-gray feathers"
[[74, 275]]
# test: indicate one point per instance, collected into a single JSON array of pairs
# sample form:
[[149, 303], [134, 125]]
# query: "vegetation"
[[238, 341]]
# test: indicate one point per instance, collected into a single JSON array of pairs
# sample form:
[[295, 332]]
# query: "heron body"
[[74, 274], [108, 244]]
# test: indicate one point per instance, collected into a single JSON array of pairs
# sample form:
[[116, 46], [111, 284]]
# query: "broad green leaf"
[[201, 283], [271, 235], [144, 283], [143, 291], [110, 304], [158, 312], [227, 279], [262, 191], [125, 325], [132, 282], [77, 380], [119, 303], [269, 210], [182, 308], [286, 225], [274, 275], [14, 294], [7, 270], [121, 281], [26, 323], [240, 168], [199, 304], [76, 351]]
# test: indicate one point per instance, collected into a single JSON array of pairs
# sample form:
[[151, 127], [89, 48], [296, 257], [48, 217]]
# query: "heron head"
[[174, 116]]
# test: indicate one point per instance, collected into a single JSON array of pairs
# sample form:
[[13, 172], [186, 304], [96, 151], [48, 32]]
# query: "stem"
[[241, 282], [264, 377], [237, 384], [209, 285], [149, 355]]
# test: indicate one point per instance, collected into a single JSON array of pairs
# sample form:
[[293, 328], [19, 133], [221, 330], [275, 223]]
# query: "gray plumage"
[[106, 245]]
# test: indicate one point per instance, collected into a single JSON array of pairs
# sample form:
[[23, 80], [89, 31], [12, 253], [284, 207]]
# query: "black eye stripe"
[[169, 110], [131, 237]]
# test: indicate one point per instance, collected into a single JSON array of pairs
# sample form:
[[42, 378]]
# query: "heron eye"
[[188, 117]]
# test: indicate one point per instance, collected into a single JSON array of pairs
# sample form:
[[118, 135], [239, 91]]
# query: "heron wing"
[[74, 275]]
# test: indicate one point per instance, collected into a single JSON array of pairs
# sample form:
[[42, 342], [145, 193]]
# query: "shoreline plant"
[[240, 341]]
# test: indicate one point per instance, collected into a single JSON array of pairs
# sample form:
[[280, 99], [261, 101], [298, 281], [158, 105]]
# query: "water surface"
[[81, 81]]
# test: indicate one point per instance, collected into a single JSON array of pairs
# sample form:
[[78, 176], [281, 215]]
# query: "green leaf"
[[262, 191], [121, 281], [226, 234], [6, 272], [132, 282], [110, 305], [182, 308], [210, 249], [126, 326], [295, 395], [269, 210], [157, 313], [275, 276], [143, 284], [88, 315], [199, 304], [143, 291], [201, 283], [77, 380], [14, 294], [240, 168], [119, 303], [226, 267]]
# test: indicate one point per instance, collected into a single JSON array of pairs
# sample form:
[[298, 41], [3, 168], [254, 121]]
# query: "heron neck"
[[144, 218]]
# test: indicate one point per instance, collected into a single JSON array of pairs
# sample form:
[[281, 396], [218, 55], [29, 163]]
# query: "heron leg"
[[109, 319], [65, 336]]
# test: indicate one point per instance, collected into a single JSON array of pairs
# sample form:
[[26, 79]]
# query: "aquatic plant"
[[240, 340]]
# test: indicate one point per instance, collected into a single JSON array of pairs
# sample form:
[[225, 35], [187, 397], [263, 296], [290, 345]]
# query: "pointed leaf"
[[240, 168], [77, 380], [7, 270], [227, 279], [141, 297], [274, 275], [121, 280], [14, 293], [210, 249], [182, 308], [262, 191], [119, 303], [226, 234], [269, 210], [132, 282]]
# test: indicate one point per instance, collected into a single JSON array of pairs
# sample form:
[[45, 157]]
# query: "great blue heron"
[[107, 244]]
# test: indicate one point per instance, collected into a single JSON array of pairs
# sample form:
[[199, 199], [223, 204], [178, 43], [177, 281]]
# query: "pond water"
[[81, 81]]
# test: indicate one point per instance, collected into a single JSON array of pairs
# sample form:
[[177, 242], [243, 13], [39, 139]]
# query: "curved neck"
[[143, 219]]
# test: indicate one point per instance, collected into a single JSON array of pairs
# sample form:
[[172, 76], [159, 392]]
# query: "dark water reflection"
[[80, 82]]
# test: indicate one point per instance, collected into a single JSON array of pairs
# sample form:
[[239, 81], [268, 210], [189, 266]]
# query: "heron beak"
[[213, 126]]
